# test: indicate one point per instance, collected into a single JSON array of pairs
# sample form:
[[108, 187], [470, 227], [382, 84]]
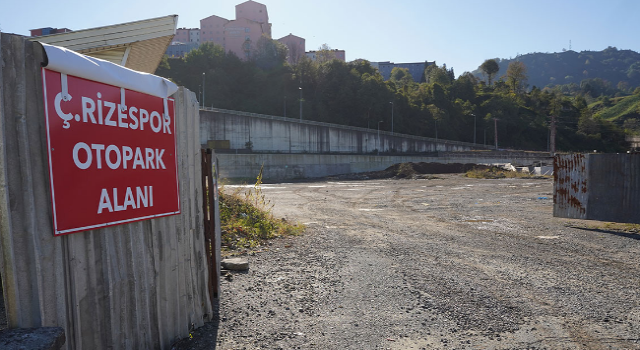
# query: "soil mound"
[[419, 170]]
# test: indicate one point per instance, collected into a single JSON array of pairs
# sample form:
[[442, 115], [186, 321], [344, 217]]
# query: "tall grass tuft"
[[247, 220]]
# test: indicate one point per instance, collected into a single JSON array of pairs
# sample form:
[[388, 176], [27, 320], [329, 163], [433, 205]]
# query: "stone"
[[235, 264]]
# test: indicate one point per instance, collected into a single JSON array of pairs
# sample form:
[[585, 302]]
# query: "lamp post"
[[285, 106], [495, 132], [200, 92], [203, 75], [391, 116], [379, 137], [474, 128], [300, 102]]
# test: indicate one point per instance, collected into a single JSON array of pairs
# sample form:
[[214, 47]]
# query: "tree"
[[517, 76], [325, 54], [401, 76], [490, 68], [269, 53]]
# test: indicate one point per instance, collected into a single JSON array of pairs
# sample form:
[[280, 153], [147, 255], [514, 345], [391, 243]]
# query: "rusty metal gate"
[[603, 187]]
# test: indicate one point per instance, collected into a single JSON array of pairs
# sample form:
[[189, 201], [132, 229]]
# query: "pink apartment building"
[[212, 30], [296, 46], [186, 35], [241, 35]]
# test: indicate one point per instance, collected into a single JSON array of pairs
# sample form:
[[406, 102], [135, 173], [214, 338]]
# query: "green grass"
[[625, 106], [246, 219]]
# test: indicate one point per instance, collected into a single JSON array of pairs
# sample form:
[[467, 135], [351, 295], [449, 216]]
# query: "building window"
[[247, 30]]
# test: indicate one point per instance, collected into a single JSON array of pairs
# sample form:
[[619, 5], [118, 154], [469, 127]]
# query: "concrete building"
[[256, 12], [48, 31], [178, 49], [415, 69], [187, 35], [212, 30], [296, 46], [240, 35], [338, 54]]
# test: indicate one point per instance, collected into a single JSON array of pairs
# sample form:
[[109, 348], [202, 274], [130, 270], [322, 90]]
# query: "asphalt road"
[[450, 263]]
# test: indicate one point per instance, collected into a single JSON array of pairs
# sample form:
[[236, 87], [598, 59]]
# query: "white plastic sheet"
[[72, 63]]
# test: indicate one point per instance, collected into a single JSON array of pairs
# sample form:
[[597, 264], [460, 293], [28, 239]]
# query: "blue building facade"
[[180, 49]]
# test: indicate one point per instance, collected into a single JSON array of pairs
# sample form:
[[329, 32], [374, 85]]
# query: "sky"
[[458, 33]]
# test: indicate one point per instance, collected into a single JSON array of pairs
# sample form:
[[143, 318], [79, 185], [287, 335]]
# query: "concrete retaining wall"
[[271, 134]]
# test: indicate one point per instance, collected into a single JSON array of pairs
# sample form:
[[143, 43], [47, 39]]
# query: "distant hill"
[[548, 69]]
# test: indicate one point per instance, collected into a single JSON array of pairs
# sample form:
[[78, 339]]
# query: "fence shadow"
[[611, 232]]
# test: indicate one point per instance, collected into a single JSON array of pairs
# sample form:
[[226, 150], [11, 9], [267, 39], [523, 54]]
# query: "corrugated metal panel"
[[149, 40], [145, 56], [614, 194], [602, 187], [133, 286], [570, 173], [118, 34], [114, 55]]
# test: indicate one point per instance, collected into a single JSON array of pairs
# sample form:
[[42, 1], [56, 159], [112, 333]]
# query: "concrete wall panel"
[[132, 286]]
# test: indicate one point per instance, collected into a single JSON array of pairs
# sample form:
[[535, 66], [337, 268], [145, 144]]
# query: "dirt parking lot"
[[447, 263]]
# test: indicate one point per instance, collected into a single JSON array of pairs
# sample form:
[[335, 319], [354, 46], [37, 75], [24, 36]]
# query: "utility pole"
[[495, 123], [391, 117], [552, 140], [474, 128], [203, 75], [300, 103], [379, 137], [285, 106], [435, 123]]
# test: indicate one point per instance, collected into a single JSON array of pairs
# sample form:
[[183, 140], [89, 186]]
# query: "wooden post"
[[552, 140]]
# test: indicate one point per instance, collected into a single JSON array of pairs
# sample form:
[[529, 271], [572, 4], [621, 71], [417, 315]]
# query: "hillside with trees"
[[443, 106], [617, 70]]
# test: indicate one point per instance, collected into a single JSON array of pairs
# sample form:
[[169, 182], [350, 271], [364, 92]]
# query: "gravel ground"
[[448, 263]]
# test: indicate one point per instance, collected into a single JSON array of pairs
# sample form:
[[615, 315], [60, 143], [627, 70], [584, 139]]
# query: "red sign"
[[112, 154]]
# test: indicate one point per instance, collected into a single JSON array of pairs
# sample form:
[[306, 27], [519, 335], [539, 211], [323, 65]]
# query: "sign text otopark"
[[112, 154]]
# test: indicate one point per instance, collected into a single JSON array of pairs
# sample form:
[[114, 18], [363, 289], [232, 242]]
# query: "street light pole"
[[285, 106], [203, 75], [391, 116], [379, 137], [474, 128], [300, 103], [495, 123]]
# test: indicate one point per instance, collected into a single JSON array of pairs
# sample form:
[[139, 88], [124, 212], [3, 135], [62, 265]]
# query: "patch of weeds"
[[246, 218], [497, 173]]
